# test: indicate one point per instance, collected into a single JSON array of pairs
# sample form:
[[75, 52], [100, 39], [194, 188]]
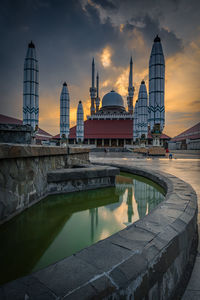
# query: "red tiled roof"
[[192, 133], [9, 120], [41, 135], [106, 129]]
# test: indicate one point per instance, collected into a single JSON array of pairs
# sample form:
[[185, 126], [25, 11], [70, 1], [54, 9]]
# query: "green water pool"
[[61, 225]]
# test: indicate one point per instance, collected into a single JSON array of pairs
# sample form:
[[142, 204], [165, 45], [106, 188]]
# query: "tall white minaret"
[[31, 88], [156, 85], [97, 100], [135, 122], [64, 111], [92, 90], [142, 111], [80, 123], [130, 89]]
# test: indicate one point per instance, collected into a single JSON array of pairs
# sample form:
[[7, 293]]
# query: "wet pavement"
[[185, 166]]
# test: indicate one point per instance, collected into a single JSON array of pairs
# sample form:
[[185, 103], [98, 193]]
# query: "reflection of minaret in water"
[[97, 218], [146, 196], [94, 217], [141, 197], [155, 197], [130, 205]]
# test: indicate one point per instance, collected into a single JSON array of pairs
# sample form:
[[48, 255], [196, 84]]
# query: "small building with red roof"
[[187, 140]]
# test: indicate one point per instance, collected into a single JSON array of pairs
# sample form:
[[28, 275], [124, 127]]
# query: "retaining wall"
[[73, 180], [16, 133], [147, 260], [23, 173]]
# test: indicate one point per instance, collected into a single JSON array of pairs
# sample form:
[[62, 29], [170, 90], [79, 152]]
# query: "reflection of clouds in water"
[[104, 234], [135, 199], [118, 210]]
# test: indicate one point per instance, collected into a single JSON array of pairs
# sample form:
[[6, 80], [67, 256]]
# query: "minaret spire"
[[64, 111], [157, 86], [97, 100], [92, 90], [142, 109], [130, 88], [93, 71], [31, 88], [135, 122], [131, 73], [80, 123], [97, 78]]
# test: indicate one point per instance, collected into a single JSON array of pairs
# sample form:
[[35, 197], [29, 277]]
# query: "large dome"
[[112, 99]]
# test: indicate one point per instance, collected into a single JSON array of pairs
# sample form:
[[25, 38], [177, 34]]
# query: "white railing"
[[110, 117]]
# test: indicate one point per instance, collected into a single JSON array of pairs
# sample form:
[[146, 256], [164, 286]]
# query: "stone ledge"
[[145, 260], [20, 151], [81, 173], [16, 127], [75, 150]]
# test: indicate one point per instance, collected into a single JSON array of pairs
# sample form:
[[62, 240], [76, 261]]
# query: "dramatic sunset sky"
[[68, 34]]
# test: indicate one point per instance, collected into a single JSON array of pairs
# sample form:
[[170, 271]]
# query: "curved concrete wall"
[[147, 260]]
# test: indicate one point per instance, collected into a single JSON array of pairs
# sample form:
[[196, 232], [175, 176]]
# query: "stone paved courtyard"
[[186, 166]]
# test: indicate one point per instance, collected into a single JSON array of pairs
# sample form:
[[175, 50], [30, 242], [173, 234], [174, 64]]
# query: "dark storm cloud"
[[66, 37], [150, 27], [68, 33], [106, 4]]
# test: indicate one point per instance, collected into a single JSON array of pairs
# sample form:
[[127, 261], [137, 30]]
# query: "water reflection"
[[61, 225]]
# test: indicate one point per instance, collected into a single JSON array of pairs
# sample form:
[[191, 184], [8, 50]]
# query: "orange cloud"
[[122, 82], [106, 56]]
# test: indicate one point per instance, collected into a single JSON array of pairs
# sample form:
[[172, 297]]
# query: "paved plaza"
[[185, 165]]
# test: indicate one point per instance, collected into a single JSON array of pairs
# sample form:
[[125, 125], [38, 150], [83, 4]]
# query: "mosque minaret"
[[135, 122], [156, 86], [31, 88], [93, 90], [64, 111], [130, 89], [97, 100], [142, 112], [80, 123]]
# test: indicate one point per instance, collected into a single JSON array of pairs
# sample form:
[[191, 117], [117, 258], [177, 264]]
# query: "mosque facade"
[[110, 124]]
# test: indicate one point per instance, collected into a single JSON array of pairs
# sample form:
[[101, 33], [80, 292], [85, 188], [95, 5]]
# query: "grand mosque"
[[110, 123]]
